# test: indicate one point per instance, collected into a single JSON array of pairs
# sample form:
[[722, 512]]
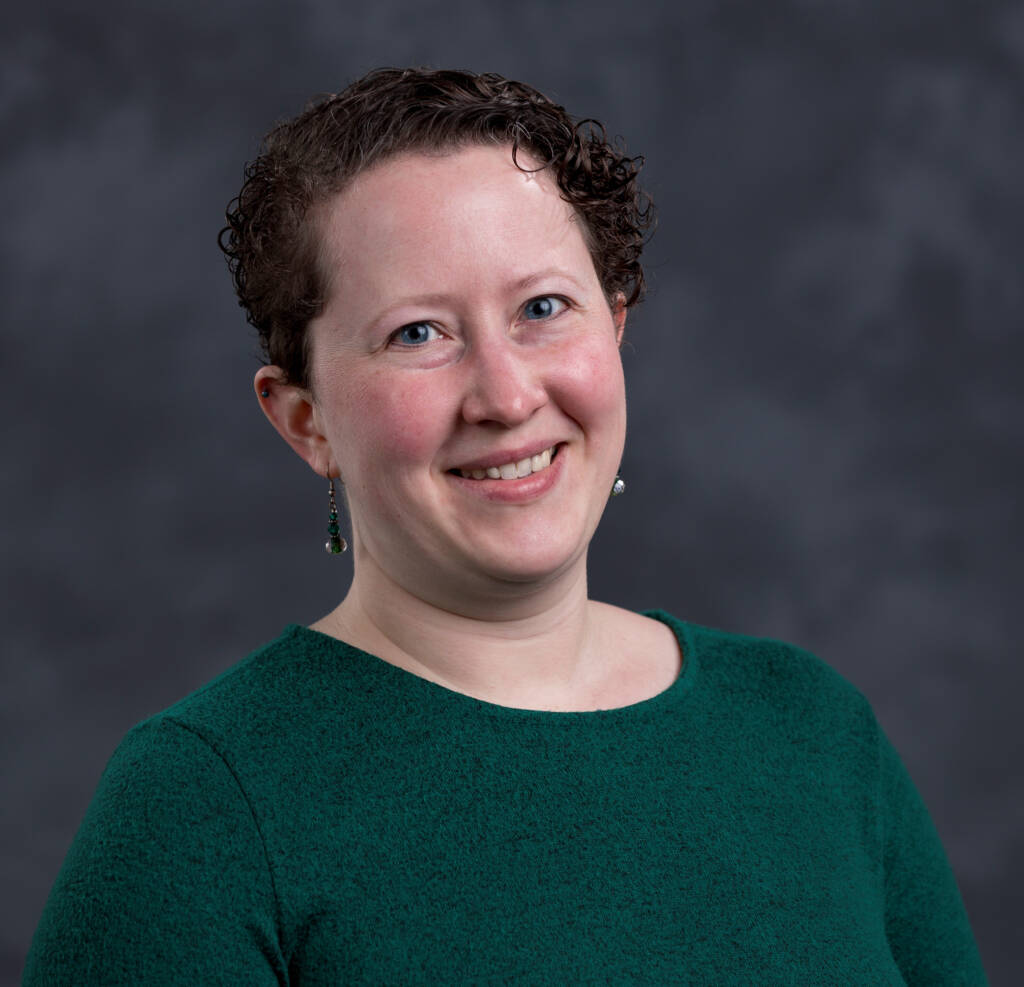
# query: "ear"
[[619, 316], [292, 411]]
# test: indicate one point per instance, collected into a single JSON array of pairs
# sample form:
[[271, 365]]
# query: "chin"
[[532, 552], [540, 565]]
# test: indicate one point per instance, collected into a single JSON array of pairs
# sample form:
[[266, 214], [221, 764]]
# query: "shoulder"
[[278, 695], [751, 661], [771, 679]]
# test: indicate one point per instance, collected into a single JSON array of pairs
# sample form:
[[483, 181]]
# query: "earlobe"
[[291, 410]]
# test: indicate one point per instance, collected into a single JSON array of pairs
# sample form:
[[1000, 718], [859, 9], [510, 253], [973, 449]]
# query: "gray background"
[[826, 418]]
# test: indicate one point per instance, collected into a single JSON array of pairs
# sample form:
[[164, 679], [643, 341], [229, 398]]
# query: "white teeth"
[[512, 471]]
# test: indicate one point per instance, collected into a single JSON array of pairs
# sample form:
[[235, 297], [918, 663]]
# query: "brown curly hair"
[[272, 250]]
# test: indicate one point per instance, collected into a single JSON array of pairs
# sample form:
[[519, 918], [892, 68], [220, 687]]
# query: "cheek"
[[593, 386], [392, 424]]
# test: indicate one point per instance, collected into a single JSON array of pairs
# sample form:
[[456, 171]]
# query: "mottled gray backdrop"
[[826, 415]]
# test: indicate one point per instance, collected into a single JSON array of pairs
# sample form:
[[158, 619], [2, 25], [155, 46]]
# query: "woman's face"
[[466, 332]]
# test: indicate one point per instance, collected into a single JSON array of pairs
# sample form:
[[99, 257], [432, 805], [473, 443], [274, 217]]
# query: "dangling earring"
[[619, 486], [336, 545]]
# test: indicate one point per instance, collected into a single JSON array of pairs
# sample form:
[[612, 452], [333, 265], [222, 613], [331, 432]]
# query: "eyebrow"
[[511, 287], [531, 279]]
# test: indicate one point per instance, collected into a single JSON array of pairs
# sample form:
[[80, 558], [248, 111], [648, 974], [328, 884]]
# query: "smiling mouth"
[[512, 471]]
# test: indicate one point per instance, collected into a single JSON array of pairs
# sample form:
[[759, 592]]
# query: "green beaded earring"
[[336, 544]]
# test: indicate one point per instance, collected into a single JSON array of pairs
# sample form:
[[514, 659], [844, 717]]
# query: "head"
[[273, 239], [439, 266]]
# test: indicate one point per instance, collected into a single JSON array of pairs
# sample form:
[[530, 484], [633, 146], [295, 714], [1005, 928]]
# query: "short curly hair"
[[273, 251]]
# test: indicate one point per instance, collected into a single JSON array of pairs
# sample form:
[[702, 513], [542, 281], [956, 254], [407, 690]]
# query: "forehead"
[[425, 217]]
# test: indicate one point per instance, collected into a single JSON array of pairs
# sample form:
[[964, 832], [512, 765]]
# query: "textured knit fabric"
[[316, 816]]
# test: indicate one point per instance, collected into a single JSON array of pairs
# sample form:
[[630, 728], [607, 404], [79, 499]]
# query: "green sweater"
[[317, 816]]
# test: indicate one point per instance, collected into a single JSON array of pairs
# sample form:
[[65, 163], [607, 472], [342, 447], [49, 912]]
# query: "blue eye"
[[543, 307], [415, 334]]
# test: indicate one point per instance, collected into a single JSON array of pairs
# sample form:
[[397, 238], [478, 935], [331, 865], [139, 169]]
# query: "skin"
[[465, 325]]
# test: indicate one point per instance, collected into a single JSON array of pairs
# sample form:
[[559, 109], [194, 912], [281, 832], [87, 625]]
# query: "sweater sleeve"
[[167, 880], [926, 923]]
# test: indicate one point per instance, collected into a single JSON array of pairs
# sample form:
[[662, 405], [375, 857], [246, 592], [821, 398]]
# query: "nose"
[[504, 384]]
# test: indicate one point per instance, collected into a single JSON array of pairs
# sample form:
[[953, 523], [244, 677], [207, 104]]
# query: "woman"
[[469, 771]]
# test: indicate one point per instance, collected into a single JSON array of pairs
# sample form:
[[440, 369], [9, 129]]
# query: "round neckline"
[[402, 678]]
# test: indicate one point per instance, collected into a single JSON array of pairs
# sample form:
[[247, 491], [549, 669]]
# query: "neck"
[[533, 650]]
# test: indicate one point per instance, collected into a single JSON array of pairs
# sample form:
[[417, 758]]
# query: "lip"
[[508, 456], [517, 491]]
